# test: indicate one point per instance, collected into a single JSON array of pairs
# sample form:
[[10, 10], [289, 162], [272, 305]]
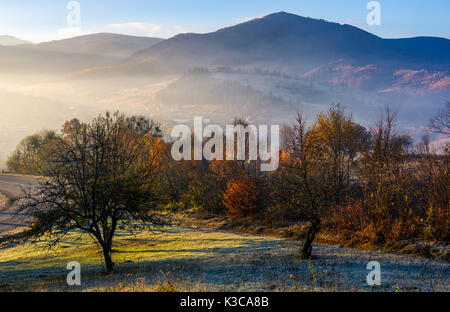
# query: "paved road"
[[12, 186]]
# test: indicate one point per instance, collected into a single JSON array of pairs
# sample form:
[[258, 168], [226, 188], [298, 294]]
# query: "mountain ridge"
[[280, 28], [7, 40], [315, 49], [105, 44]]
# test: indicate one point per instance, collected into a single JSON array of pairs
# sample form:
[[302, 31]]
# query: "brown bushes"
[[242, 197]]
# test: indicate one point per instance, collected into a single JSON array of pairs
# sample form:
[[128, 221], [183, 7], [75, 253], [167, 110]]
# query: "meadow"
[[197, 259]]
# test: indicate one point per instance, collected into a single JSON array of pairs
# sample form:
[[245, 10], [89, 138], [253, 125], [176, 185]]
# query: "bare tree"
[[100, 176], [387, 149], [440, 123], [308, 176], [320, 159]]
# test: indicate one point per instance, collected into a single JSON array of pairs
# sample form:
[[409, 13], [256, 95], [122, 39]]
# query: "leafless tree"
[[309, 179], [100, 176], [440, 123]]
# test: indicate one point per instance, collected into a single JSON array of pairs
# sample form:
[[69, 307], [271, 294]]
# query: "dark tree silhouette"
[[440, 123], [99, 176]]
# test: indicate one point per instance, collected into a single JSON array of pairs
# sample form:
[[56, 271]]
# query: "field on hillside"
[[182, 259]]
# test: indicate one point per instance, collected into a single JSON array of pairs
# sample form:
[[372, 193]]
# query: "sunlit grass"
[[36, 262], [186, 259]]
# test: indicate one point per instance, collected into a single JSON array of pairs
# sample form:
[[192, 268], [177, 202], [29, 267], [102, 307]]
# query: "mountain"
[[291, 43], [104, 44], [12, 41], [435, 50], [24, 61], [280, 42], [78, 54]]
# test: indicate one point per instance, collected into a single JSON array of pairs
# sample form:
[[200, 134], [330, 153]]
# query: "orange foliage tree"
[[241, 196]]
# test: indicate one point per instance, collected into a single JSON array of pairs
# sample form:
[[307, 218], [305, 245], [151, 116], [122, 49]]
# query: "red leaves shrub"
[[241, 197], [349, 218]]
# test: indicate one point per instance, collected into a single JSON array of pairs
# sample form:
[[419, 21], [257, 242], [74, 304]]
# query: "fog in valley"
[[264, 70]]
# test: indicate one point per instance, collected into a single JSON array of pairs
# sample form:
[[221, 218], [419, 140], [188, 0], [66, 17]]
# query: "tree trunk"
[[307, 247], [108, 259]]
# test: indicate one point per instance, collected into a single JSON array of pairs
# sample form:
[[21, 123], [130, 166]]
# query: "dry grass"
[[181, 259]]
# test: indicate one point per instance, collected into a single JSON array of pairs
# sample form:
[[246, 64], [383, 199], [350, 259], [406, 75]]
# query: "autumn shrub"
[[438, 224], [175, 206], [242, 197], [347, 219], [436, 172], [31, 154], [207, 199]]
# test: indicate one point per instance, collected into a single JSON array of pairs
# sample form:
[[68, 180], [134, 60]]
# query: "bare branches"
[[441, 121], [98, 176]]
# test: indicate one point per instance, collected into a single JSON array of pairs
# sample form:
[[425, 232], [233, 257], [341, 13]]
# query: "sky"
[[46, 20]]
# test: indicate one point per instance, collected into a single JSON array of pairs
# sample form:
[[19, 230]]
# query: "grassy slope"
[[35, 263], [297, 231], [186, 259]]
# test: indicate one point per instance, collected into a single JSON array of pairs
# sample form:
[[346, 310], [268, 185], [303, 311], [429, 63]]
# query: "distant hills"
[[102, 44], [12, 41], [316, 50], [277, 40], [26, 60], [292, 43], [69, 55], [271, 66]]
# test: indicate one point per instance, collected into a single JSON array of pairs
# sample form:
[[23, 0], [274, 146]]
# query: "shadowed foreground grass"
[[182, 259]]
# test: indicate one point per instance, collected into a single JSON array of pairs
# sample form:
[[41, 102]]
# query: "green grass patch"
[[35, 262]]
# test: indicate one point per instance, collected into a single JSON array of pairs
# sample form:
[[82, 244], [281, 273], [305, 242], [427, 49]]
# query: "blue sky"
[[45, 20]]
